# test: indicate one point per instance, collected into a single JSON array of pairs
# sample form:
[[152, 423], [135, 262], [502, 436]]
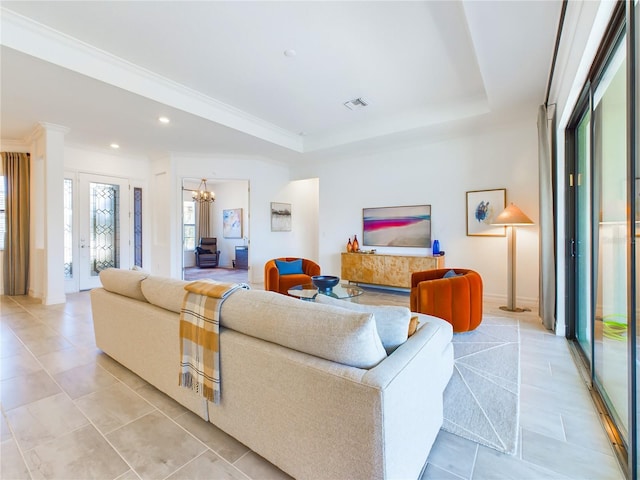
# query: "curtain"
[[16, 252], [202, 227], [547, 290]]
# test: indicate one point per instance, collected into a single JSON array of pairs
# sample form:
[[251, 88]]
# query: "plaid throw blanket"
[[199, 336]]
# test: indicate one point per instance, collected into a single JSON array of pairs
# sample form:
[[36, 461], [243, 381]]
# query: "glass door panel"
[[104, 237], [581, 184], [104, 227], [611, 238]]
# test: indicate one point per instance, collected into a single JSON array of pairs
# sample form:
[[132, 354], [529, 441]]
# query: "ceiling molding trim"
[[27, 36], [13, 145], [43, 127]]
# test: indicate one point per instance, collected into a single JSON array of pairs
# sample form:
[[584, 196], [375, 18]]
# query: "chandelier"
[[203, 194]]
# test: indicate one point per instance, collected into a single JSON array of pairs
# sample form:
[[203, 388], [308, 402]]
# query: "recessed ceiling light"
[[114, 146], [163, 119], [290, 52]]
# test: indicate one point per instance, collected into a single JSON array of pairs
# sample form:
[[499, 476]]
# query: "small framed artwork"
[[482, 207], [280, 217], [232, 223]]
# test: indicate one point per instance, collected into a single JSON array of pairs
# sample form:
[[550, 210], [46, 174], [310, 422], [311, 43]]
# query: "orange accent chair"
[[275, 282], [457, 299]]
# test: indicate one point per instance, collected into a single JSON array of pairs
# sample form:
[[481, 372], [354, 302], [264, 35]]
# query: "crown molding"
[[27, 36], [14, 145], [42, 127]]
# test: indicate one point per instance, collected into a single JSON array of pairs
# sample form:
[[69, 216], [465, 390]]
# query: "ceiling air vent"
[[356, 103]]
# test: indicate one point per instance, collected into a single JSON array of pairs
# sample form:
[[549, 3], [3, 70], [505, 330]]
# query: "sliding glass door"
[[599, 231], [580, 181], [611, 237]]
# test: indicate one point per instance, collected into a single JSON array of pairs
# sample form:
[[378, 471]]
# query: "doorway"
[[231, 202]]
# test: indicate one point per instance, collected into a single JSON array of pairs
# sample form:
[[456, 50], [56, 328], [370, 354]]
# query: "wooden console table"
[[388, 270]]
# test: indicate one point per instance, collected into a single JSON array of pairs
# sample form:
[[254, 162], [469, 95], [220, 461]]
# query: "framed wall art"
[[232, 223], [397, 226], [280, 217], [482, 207]]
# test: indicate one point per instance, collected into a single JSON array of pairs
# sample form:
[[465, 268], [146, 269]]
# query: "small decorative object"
[[349, 246], [482, 207], [436, 248], [356, 245], [325, 282]]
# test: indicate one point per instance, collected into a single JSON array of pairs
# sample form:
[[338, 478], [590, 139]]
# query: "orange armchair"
[[275, 282], [457, 299]]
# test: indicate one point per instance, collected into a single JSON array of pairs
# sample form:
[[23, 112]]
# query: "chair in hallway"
[[207, 253]]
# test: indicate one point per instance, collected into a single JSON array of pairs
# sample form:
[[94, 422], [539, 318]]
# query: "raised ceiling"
[[107, 70]]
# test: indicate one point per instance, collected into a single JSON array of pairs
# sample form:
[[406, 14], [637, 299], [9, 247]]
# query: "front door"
[[103, 227]]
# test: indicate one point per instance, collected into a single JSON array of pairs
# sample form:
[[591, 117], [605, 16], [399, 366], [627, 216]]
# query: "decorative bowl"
[[325, 282]]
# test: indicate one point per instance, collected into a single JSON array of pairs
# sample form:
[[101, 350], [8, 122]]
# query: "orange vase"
[[349, 246], [356, 245]]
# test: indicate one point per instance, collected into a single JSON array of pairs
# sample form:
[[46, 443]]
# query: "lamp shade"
[[511, 215]]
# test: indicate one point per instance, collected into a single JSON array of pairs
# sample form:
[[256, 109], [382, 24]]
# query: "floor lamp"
[[512, 217]]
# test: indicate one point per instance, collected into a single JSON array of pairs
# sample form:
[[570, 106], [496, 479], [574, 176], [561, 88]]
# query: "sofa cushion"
[[124, 282], [289, 268], [167, 293], [392, 322], [324, 331]]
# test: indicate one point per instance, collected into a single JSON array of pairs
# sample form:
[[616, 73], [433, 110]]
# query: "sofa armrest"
[[412, 381], [271, 276], [433, 337]]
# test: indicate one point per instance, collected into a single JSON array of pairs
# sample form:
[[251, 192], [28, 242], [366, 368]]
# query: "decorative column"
[[46, 275]]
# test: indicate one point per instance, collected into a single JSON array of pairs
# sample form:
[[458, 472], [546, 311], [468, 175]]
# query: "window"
[[3, 218], [68, 228], [189, 225], [137, 226], [3, 224]]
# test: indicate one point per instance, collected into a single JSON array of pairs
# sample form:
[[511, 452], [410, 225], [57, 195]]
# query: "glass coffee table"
[[309, 291]]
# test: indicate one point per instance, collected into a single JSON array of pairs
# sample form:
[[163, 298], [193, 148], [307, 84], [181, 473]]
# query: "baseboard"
[[54, 300]]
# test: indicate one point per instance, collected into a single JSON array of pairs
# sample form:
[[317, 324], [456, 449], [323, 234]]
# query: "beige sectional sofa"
[[308, 386]]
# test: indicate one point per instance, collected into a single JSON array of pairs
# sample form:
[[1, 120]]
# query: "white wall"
[[302, 240], [102, 163], [439, 174]]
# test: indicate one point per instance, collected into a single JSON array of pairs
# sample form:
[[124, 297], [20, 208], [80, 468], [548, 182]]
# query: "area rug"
[[481, 401]]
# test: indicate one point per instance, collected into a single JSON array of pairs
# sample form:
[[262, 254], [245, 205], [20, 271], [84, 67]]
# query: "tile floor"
[[70, 412]]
